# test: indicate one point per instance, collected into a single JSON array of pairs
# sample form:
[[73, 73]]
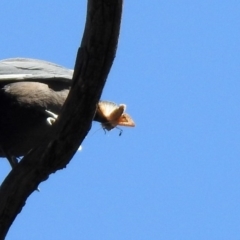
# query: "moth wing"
[[105, 108], [126, 120], [116, 113], [110, 110]]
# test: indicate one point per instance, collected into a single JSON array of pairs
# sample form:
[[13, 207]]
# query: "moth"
[[111, 115]]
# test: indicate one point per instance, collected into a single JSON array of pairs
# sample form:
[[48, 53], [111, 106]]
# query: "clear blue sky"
[[176, 176]]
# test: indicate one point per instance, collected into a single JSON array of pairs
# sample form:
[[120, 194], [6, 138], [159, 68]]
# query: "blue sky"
[[176, 175]]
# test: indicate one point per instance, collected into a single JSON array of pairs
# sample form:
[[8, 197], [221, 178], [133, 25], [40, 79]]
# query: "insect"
[[112, 115]]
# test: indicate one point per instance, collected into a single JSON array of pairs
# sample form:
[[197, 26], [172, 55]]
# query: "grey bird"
[[31, 92]]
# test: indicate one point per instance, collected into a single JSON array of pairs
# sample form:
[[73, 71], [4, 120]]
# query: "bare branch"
[[94, 59]]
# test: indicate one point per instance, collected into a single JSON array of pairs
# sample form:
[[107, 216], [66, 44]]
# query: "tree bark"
[[94, 60]]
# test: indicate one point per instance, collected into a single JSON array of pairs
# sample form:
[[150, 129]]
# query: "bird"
[[32, 93]]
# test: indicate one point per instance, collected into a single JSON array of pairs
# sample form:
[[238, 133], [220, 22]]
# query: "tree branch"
[[94, 59]]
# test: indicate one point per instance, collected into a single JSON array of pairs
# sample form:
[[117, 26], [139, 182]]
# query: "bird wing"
[[27, 69]]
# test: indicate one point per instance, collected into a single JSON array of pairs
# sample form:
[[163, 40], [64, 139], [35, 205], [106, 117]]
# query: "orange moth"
[[112, 115]]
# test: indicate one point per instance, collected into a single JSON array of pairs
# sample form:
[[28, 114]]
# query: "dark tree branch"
[[94, 59]]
